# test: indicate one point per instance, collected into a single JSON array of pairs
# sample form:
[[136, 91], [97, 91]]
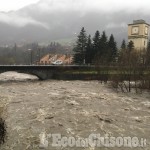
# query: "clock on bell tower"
[[135, 30]]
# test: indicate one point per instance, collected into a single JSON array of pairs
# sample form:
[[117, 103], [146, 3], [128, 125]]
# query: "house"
[[51, 58]]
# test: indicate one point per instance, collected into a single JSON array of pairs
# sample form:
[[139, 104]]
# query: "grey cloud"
[[17, 20], [50, 13], [58, 19], [115, 25], [96, 5]]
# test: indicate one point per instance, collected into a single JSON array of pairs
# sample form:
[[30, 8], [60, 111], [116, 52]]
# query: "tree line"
[[103, 50], [99, 48], [122, 66]]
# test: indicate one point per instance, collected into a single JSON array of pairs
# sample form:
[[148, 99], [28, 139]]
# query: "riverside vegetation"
[[123, 66]]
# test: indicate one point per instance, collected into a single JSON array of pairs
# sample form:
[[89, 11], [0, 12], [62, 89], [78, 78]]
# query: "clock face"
[[146, 30], [135, 30]]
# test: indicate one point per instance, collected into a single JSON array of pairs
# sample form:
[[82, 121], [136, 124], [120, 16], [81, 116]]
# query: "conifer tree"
[[103, 51], [123, 45], [89, 51], [104, 43], [130, 46], [112, 50], [96, 43], [122, 51], [80, 48]]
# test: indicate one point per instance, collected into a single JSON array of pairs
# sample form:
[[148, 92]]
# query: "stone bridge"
[[42, 72]]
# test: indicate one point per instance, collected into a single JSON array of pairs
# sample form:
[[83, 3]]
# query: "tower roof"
[[140, 21]]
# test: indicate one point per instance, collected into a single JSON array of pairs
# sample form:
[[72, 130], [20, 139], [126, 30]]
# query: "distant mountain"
[[48, 20]]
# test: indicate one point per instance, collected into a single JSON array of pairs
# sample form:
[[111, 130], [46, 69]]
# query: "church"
[[138, 33]]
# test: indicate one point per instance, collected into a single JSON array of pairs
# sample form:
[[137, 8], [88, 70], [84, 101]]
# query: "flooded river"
[[34, 110]]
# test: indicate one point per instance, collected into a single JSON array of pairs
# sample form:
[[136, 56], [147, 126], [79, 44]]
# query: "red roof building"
[[51, 58]]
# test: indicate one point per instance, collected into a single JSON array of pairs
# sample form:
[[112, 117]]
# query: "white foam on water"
[[11, 75]]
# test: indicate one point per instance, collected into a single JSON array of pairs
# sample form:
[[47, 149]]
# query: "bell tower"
[[138, 33]]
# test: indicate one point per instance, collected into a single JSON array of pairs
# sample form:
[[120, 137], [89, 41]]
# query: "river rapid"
[[34, 109]]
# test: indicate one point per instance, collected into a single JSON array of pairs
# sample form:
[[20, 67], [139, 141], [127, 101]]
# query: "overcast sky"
[[66, 17], [8, 5], [136, 9], [103, 5]]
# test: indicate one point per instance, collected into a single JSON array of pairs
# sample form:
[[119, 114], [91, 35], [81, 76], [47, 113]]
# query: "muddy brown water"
[[71, 108]]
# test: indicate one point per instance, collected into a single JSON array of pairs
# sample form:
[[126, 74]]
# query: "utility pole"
[[30, 50]]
